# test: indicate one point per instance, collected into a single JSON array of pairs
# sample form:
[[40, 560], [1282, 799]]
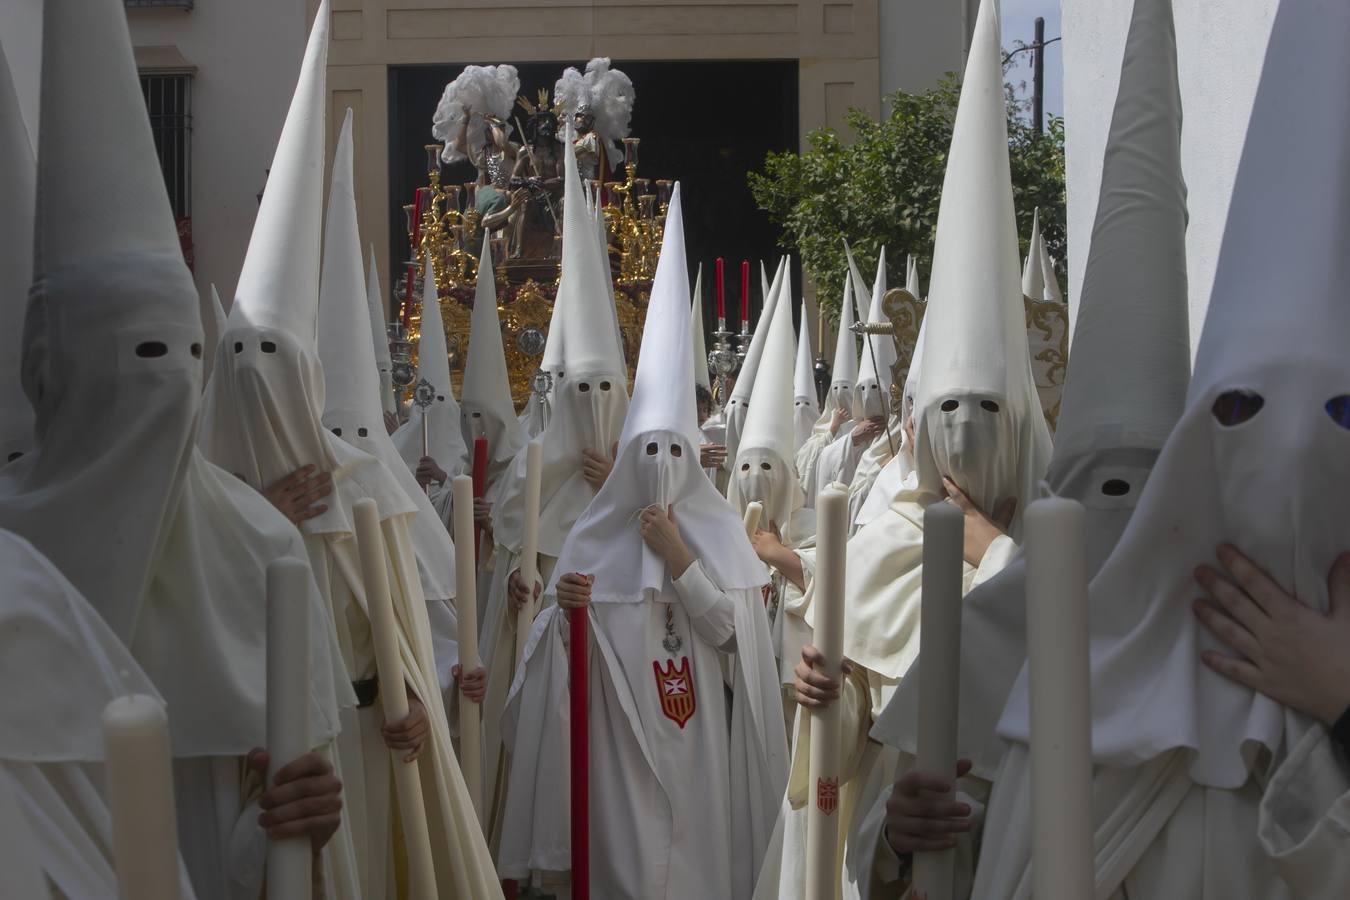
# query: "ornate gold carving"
[[906, 314], [1048, 342]]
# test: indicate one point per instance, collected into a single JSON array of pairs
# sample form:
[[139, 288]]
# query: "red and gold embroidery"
[[827, 794], [676, 688]]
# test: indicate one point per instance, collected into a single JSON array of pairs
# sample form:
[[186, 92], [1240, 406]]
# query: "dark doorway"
[[690, 131]]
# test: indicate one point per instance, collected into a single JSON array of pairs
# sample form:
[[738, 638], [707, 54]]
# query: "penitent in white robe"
[[808, 457], [839, 460], [685, 777]]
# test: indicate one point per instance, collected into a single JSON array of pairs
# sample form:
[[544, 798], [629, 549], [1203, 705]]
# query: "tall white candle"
[[23, 876], [822, 822], [939, 675], [289, 863], [529, 552], [393, 697], [139, 775], [466, 591], [1058, 679], [754, 511]]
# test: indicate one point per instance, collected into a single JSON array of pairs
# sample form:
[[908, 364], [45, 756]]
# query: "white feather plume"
[[611, 97], [571, 92], [478, 91]]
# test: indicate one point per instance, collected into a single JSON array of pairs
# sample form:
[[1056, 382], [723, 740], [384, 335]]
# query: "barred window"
[[168, 99]]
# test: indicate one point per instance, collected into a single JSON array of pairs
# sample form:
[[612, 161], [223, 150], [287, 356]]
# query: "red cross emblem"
[[827, 794], [676, 689]]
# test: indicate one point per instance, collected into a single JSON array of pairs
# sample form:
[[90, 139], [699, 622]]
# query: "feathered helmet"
[[606, 95]]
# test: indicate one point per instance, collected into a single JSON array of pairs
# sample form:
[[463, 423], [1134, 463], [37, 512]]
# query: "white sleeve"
[[711, 612], [1305, 818]]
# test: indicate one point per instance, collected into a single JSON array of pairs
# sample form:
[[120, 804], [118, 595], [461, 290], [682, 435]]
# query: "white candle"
[[1058, 679], [939, 675], [289, 863], [139, 775], [754, 510], [822, 822], [466, 592], [23, 876], [393, 697], [529, 551]]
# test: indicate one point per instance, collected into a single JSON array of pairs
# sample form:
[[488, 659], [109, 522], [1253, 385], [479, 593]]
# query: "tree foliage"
[[883, 188]]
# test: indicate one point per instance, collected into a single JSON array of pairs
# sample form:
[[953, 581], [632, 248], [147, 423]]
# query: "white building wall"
[[920, 41], [1220, 48]]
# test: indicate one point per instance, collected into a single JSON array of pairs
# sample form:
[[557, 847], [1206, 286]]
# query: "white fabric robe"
[[809, 455], [839, 460], [676, 812]]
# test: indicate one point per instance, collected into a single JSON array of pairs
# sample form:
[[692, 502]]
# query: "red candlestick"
[[580, 751], [721, 291], [745, 290], [480, 449], [417, 220]]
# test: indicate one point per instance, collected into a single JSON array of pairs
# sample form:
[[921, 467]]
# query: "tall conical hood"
[[486, 391], [379, 333], [878, 355], [1130, 362], [1033, 275], [698, 345], [602, 247], [663, 391], [1052, 290], [912, 277], [862, 291], [845, 373], [218, 312], [279, 284], [778, 288], [351, 378], [18, 177], [805, 409], [768, 422], [353, 411], [588, 346], [445, 437], [214, 328], [994, 442]]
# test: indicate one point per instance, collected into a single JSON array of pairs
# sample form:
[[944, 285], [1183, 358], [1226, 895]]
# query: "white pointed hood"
[[862, 291], [698, 344], [845, 373], [218, 311], [1129, 367], [745, 380], [590, 399], [991, 438], [872, 393], [18, 177], [1261, 455], [112, 358], [912, 277], [764, 467], [485, 399], [445, 436], [351, 380], [1052, 290], [1033, 275], [647, 472], [379, 334], [805, 409]]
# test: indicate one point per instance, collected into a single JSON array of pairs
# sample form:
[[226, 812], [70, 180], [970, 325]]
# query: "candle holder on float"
[[722, 361]]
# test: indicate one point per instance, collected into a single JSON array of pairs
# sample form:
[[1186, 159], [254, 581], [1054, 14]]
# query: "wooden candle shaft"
[[466, 593], [939, 673], [139, 776], [822, 824], [289, 863], [754, 510], [1058, 682], [393, 697], [529, 553]]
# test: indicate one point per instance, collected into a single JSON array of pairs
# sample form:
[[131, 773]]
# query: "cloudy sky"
[[1019, 22]]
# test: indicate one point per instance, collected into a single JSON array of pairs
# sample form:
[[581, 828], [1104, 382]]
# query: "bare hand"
[[519, 591], [712, 456], [837, 418], [473, 685], [304, 800], [814, 689], [482, 513], [769, 545], [595, 467], [574, 590], [921, 814], [391, 422], [980, 531], [1289, 651], [867, 430], [410, 732], [298, 494], [660, 532], [428, 471]]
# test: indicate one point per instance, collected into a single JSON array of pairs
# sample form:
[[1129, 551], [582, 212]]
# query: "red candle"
[[721, 292], [417, 220], [745, 290], [579, 706]]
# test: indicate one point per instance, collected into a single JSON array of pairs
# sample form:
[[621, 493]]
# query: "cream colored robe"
[[464, 868]]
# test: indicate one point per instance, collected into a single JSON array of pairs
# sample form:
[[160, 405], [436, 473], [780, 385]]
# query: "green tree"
[[883, 188]]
